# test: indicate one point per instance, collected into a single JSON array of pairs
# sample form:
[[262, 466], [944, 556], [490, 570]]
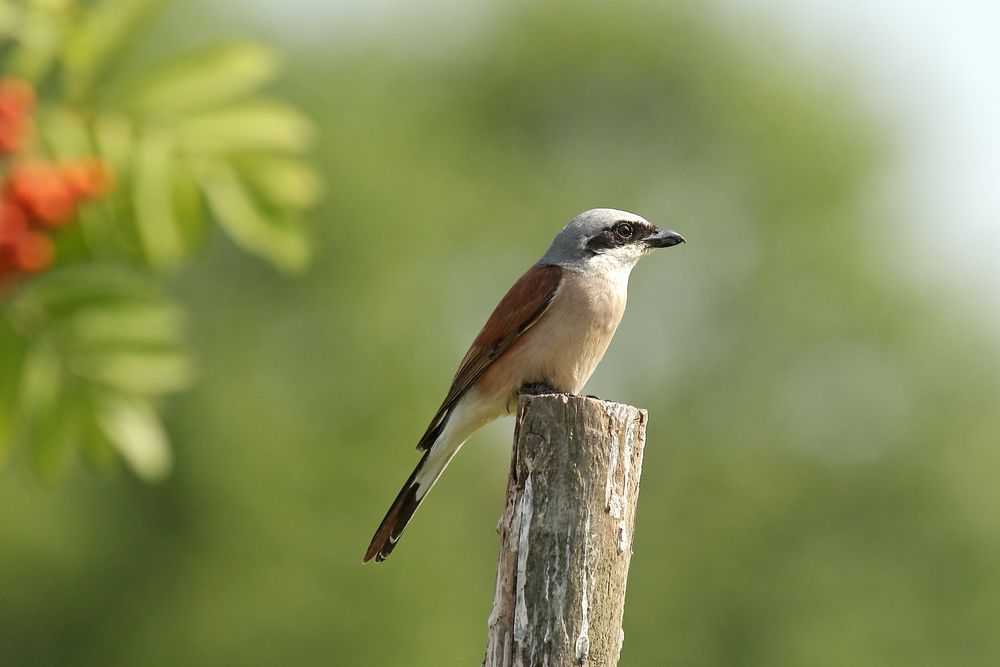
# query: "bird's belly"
[[563, 349]]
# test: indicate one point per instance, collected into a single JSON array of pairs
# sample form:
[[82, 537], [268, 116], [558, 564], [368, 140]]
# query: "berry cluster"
[[17, 101], [36, 196]]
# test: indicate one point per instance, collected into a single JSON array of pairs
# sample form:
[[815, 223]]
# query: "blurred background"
[[820, 361]]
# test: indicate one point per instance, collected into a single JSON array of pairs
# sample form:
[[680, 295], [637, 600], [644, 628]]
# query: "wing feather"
[[519, 309]]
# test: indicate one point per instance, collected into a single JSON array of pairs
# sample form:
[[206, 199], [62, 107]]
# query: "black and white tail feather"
[[399, 514], [435, 459]]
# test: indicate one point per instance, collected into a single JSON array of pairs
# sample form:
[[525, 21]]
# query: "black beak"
[[663, 238]]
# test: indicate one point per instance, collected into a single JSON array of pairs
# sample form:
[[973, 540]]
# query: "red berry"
[[17, 93], [55, 210], [13, 224], [43, 192], [17, 99], [14, 134], [87, 178], [34, 253], [7, 257]]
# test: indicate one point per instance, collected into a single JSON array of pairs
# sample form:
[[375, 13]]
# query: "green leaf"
[[107, 225], [58, 437], [10, 20], [47, 418], [284, 182], [139, 372], [279, 240], [66, 134], [152, 189], [261, 125], [37, 40], [113, 136], [12, 349], [97, 452], [105, 343], [41, 381], [133, 428], [204, 80], [189, 208], [105, 27], [59, 293], [139, 323]]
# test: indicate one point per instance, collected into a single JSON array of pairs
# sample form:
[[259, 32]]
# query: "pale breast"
[[564, 347]]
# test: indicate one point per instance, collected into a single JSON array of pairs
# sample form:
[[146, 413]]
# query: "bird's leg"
[[536, 388]]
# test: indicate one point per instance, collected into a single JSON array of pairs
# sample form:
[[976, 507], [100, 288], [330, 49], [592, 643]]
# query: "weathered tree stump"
[[566, 533]]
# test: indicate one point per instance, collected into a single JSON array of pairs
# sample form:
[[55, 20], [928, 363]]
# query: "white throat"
[[614, 267]]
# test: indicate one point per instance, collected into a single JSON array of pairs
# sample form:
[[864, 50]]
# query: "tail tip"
[[399, 514], [380, 548], [372, 554]]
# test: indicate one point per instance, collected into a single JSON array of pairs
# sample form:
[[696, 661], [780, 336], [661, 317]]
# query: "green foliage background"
[[818, 481], [94, 344]]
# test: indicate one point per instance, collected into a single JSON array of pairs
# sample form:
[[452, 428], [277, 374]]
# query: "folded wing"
[[522, 306]]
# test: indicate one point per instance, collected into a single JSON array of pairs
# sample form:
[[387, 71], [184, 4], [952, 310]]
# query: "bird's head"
[[607, 238]]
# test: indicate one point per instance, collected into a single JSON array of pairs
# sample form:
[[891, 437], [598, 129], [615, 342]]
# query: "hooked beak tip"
[[664, 238]]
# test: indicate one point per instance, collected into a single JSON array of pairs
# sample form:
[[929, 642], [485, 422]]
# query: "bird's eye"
[[624, 230]]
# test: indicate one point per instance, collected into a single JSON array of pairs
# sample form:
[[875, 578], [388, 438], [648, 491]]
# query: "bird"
[[547, 335]]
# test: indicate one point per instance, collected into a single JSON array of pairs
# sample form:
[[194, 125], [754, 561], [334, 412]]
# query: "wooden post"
[[566, 533]]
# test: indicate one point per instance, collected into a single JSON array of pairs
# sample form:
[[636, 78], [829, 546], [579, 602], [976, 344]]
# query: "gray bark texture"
[[566, 533]]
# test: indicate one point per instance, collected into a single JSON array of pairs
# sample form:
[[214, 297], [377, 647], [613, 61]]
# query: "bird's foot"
[[596, 398], [537, 388]]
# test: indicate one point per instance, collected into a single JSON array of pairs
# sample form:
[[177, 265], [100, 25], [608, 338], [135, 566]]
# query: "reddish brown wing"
[[520, 308]]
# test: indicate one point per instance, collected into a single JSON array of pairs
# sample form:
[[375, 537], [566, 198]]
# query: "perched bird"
[[547, 334]]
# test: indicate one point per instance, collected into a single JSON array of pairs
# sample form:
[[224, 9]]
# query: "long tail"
[[416, 488]]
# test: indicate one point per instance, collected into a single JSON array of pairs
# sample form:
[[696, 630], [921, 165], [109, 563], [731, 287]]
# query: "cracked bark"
[[566, 533]]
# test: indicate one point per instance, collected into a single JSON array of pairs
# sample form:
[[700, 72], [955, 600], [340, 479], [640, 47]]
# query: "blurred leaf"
[[204, 80], [261, 125], [41, 381], [134, 429], [10, 20], [102, 237], [105, 27], [106, 327], [97, 451], [152, 189], [113, 135], [11, 360], [37, 36], [102, 336], [57, 437], [111, 232], [280, 241], [46, 417], [285, 182], [66, 134], [139, 372], [61, 293], [188, 204], [104, 330], [141, 323]]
